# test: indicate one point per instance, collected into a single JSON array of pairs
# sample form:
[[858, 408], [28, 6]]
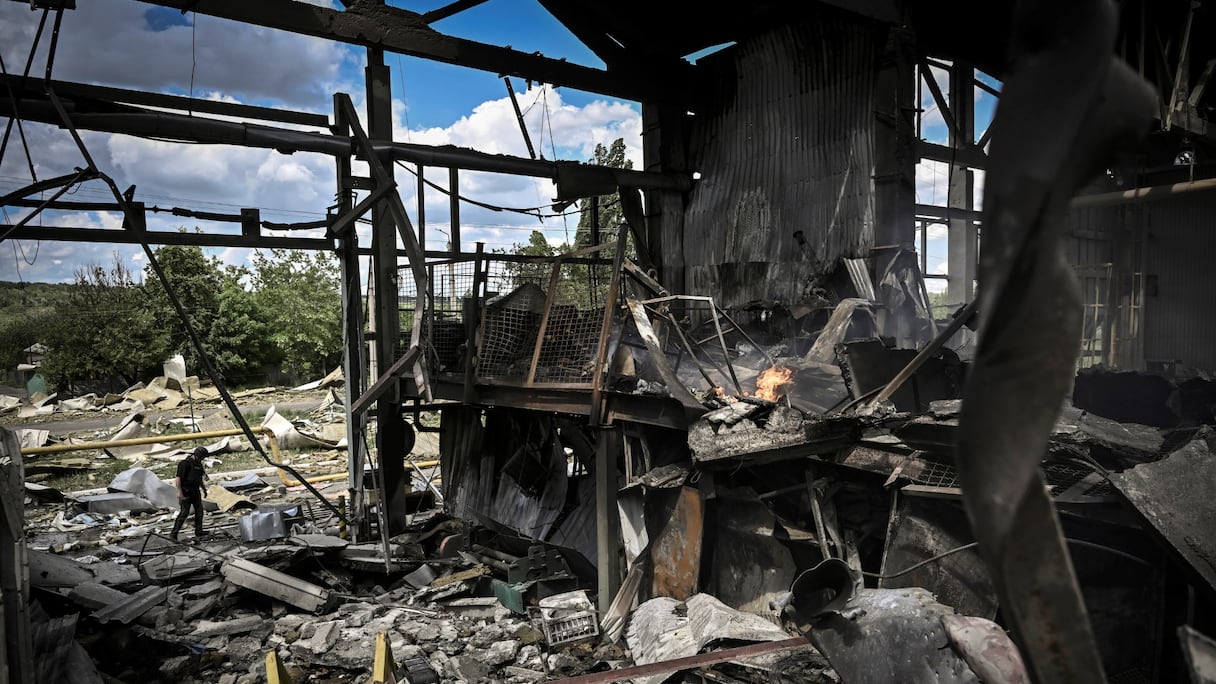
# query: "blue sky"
[[135, 45]]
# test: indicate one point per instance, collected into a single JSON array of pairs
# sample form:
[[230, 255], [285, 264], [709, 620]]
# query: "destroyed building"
[[733, 439]]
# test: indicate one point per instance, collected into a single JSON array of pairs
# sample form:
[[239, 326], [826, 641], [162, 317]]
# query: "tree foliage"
[[106, 327], [610, 215], [196, 279], [26, 310], [300, 296]]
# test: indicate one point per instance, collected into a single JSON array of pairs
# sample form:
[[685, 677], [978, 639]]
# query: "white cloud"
[[130, 44], [115, 42]]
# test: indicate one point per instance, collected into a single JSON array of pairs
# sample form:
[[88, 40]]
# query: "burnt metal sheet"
[[782, 137], [675, 552], [922, 528], [1177, 321], [664, 629], [1174, 496], [903, 625], [748, 567], [869, 365], [986, 648]]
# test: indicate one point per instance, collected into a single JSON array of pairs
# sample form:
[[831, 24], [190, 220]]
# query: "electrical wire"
[[527, 211], [972, 545]]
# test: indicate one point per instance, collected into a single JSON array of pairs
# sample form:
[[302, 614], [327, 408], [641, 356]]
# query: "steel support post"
[[961, 233], [454, 209], [607, 520], [895, 147], [352, 326], [390, 426]]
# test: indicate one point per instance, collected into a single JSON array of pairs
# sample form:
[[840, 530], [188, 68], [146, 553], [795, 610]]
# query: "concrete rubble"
[[792, 505]]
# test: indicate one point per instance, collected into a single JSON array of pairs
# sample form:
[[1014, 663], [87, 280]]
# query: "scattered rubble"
[[787, 473]]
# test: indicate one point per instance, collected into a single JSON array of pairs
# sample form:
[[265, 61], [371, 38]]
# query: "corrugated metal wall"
[[786, 158], [1180, 319]]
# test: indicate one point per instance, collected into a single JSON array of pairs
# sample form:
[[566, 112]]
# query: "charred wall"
[[1148, 268], [1179, 281], [782, 138]]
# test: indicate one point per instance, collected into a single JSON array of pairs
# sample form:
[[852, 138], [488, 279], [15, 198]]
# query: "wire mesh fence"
[[542, 321], [520, 320]]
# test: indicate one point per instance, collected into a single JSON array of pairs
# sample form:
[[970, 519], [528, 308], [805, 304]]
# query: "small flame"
[[721, 394], [771, 381]]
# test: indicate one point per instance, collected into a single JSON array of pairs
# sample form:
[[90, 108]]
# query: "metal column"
[[607, 520], [390, 422], [354, 349], [961, 236], [894, 148]]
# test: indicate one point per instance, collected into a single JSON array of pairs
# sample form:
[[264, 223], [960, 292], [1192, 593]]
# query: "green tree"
[[610, 215], [299, 296], [106, 328], [197, 280], [26, 311], [241, 335]]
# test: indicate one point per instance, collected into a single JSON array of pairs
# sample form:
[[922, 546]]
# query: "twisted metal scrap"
[[1066, 108]]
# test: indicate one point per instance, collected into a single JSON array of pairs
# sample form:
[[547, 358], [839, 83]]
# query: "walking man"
[[190, 491]]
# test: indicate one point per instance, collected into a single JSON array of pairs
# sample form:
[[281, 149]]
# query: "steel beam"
[[961, 253], [88, 91], [970, 156], [390, 426], [391, 29], [895, 158], [157, 237], [607, 532], [148, 123]]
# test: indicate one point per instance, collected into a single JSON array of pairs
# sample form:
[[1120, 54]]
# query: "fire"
[[721, 394], [771, 381]]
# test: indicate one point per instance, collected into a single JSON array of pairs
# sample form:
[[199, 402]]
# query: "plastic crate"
[[568, 617], [570, 628]]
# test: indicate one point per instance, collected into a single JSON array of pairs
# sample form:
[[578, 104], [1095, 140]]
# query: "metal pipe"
[[136, 441], [1152, 192]]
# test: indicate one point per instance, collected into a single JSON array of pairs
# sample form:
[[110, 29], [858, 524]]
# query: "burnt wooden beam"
[[392, 29]]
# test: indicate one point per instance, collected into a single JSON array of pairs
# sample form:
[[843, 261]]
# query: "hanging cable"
[[193, 57], [8, 129], [527, 211]]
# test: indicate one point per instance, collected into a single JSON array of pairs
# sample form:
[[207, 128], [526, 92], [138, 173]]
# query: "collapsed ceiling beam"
[[96, 115], [373, 25]]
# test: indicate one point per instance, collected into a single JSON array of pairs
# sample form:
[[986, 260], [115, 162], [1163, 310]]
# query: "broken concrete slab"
[[211, 628], [263, 580]]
